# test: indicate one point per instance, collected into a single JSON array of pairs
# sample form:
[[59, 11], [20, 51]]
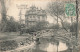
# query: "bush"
[[73, 27], [54, 26], [8, 45], [39, 26], [10, 26]]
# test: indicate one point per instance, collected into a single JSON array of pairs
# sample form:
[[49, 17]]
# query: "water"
[[49, 47], [53, 48]]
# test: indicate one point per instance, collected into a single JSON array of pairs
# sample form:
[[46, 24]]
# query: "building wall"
[[34, 15], [33, 19]]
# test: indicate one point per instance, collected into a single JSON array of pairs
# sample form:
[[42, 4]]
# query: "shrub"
[[8, 45], [10, 26], [73, 27]]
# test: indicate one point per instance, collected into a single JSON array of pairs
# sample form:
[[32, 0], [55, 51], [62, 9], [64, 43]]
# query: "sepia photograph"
[[39, 26]]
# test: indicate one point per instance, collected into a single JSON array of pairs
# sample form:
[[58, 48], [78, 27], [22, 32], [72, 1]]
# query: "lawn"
[[13, 36], [10, 36]]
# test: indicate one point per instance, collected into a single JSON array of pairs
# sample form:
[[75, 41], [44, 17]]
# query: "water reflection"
[[62, 46], [50, 47], [53, 48]]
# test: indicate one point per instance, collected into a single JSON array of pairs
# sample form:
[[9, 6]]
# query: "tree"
[[54, 26], [3, 14], [12, 25], [39, 26], [3, 10], [66, 24], [73, 27], [56, 9]]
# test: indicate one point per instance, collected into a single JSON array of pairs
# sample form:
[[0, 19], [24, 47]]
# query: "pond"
[[53, 48], [47, 46]]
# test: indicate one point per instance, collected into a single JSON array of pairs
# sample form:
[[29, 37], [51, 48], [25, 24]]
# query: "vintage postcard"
[[39, 26]]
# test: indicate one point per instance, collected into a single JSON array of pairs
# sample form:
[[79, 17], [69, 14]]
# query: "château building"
[[34, 15]]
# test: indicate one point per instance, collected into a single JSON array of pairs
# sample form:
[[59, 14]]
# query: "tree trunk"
[[3, 10], [3, 13], [57, 48], [63, 24], [57, 20]]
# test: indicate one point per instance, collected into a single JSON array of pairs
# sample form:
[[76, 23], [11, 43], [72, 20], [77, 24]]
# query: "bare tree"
[[56, 9]]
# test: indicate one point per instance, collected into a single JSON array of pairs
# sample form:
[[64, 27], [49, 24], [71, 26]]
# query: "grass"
[[13, 36], [7, 36]]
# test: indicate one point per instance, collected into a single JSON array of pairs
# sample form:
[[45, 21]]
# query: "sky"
[[15, 5]]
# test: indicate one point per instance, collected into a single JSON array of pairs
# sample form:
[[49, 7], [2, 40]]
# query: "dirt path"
[[23, 48]]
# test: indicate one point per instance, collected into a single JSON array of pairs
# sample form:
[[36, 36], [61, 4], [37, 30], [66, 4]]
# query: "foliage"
[[57, 9], [54, 26], [66, 25], [10, 26], [39, 26], [3, 10], [8, 45], [73, 27]]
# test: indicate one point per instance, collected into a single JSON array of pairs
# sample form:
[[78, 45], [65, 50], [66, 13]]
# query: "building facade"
[[34, 15]]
